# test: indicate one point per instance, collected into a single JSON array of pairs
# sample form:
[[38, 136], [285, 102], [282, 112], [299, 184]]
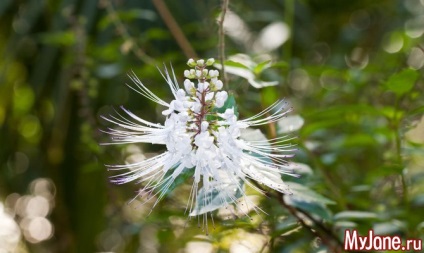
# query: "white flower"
[[213, 73], [202, 139], [210, 62], [200, 62], [219, 84], [191, 63], [220, 98]]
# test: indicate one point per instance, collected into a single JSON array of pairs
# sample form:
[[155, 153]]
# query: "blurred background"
[[351, 69]]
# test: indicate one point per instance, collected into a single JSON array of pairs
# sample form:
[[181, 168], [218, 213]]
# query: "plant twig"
[[398, 150], [222, 41], [141, 55], [175, 29], [329, 234]]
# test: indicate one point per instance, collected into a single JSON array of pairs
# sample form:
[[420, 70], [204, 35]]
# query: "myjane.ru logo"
[[372, 242]]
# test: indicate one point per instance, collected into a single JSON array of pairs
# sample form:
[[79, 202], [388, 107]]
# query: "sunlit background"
[[351, 69]]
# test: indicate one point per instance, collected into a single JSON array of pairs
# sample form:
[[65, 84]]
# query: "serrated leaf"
[[355, 215], [305, 194], [308, 200], [314, 208], [402, 82]]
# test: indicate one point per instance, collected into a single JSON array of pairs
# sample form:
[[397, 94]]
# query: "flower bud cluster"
[[195, 125], [201, 98]]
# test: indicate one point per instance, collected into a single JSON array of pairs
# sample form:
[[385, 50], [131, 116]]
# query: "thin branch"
[[175, 29], [222, 41], [294, 211], [141, 55], [321, 231], [326, 235]]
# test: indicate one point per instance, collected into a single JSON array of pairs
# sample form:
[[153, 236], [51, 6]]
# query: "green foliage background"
[[351, 69]]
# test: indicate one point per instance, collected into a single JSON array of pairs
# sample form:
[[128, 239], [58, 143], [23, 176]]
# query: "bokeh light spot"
[[37, 229]]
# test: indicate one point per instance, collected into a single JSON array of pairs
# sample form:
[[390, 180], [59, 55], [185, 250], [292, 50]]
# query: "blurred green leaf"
[[313, 208], [250, 73], [402, 82], [261, 67], [126, 16], [303, 193], [62, 38], [216, 197], [355, 215], [286, 226], [229, 63]]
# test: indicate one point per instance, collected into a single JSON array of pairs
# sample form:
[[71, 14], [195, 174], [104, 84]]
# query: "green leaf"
[[260, 84], [127, 17], [288, 225], [209, 200], [280, 64], [63, 38], [355, 215], [305, 194], [261, 67], [311, 207], [308, 200], [230, 63], [389, 227], [248, 72], [402, 82]]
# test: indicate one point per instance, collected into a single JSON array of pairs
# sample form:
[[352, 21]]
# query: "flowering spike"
[[204, 137]]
